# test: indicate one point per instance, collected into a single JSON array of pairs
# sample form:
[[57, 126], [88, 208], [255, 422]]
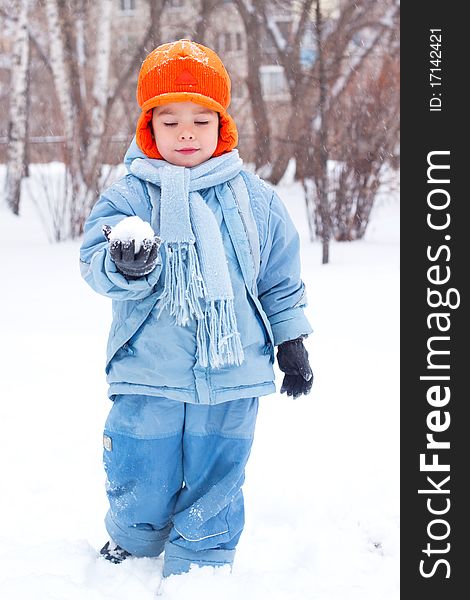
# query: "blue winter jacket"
[[146, 355]]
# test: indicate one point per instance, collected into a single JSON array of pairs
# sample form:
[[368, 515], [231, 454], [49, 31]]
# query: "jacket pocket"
[[124, 328]]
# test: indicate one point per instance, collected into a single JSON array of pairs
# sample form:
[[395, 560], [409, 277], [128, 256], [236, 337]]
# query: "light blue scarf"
[[197, 281]]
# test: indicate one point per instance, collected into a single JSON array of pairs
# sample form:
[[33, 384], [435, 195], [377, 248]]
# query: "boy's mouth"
[[187, 150]]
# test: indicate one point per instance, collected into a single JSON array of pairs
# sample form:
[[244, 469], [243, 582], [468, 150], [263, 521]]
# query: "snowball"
[[132, 228]]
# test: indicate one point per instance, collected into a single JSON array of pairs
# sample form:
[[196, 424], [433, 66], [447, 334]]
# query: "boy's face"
[[186, 133]]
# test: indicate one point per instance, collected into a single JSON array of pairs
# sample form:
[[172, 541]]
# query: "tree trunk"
[[288, 55], [354, 16], [252, 21], [62, 82], [294, 131], [262, 132], [322, 179], [68, 101], [83, 129], [205, 10], [309, 193], [18, 110], [97, 121]]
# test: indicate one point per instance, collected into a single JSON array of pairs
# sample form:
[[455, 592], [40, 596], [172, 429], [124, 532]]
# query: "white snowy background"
[[322, 486]]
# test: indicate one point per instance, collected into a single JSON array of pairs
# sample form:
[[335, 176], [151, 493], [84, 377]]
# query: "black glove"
[[292, 358], [131, 265]]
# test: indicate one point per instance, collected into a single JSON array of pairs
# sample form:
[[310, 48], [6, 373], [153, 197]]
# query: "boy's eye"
[[176, 123]]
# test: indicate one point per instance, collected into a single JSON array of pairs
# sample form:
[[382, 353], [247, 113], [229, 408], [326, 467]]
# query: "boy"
[[197, 312]]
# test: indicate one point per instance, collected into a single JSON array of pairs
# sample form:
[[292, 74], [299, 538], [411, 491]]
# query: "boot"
[[114, 553]]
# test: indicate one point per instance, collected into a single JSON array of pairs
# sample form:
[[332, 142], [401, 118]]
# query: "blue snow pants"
[[174, 477]]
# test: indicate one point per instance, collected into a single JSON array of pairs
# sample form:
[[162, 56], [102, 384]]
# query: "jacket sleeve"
[[280, 288], [96, 266]]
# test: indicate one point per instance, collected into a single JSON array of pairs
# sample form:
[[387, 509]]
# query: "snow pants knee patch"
[[209, 512], [143, 464]]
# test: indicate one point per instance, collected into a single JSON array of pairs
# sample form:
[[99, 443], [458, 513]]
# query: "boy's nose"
[[186, 135]]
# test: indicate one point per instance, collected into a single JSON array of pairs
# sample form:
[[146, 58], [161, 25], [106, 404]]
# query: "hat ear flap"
[[228, 135], [144, 137]]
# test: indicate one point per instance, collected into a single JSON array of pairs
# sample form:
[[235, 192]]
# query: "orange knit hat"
[[184, 71]]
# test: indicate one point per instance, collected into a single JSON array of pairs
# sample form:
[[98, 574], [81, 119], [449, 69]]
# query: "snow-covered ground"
[[322, 486]]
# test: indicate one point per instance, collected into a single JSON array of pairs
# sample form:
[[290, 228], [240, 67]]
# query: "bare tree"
[[69, 92], [360, 132], [12, 17], [17, 129], [320, 173], [81, 74], [368, 144], [289, 49], [354, 16], [251, 15]]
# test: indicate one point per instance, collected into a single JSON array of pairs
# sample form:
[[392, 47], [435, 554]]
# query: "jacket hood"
[[132, 153]]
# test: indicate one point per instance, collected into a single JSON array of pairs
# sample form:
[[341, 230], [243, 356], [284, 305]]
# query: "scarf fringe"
[[218, 340], [183, 283]]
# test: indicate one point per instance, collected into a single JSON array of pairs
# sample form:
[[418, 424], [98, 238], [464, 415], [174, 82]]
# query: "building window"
[[127, 5], [273, 82], [229, 42], [126, 43], [220, 45]]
